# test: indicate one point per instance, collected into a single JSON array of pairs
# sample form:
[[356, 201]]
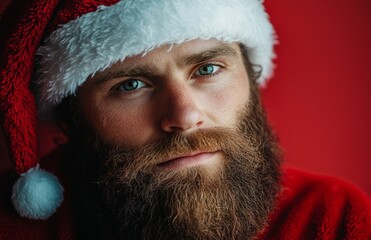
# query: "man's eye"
[[207, 70], [131, 85]]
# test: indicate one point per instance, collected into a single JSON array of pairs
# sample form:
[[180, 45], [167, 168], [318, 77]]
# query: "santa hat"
[[74, 39]]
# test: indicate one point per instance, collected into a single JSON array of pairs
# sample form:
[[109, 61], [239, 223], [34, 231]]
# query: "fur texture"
[[21, 32], [37, 194], [98, 39]]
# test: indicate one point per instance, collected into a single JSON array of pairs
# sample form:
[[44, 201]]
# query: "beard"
[[121, 194]]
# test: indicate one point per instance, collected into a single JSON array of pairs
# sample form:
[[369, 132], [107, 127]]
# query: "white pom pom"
[[37, 194]]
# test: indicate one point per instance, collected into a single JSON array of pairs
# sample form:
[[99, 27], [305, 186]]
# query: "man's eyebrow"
[[219, 51], [105, 76]]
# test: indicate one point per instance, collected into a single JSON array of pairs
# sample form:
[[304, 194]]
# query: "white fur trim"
[[37, 194], [98, 39]]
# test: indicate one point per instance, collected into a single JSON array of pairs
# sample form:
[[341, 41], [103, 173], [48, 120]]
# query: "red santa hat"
[[74, 39]]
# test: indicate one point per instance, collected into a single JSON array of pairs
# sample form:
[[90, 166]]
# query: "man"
[[168, 137]]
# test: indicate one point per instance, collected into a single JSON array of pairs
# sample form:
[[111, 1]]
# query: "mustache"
[[144, 159]]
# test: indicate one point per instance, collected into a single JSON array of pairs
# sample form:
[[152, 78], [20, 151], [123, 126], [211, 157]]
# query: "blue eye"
[[207, 70], [131, 85]]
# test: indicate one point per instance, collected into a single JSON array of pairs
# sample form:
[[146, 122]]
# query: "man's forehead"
[[181, 55], [183, 50]]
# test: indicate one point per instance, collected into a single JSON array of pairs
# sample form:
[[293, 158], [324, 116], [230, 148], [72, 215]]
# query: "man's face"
[[195, 85], [177, 145]]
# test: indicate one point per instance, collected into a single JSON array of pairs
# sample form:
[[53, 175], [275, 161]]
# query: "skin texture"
[[174, 98]]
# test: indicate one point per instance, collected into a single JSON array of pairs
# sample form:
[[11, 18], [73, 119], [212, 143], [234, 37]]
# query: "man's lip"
[[188, 160]]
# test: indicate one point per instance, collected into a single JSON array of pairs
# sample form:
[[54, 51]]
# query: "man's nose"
[[182, 110]]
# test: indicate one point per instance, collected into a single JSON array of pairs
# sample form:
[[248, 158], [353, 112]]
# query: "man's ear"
[[65, 134], [51, 136], [63, 113]]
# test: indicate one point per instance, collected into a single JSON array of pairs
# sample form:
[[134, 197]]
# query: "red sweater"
[[309, 207]]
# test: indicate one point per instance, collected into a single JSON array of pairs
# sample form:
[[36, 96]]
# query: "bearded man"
[[168, 136]]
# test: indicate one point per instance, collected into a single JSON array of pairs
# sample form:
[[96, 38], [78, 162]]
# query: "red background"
[[319, 98]]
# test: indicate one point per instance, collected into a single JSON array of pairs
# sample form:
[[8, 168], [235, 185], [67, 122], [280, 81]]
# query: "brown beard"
[[119, 193]]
